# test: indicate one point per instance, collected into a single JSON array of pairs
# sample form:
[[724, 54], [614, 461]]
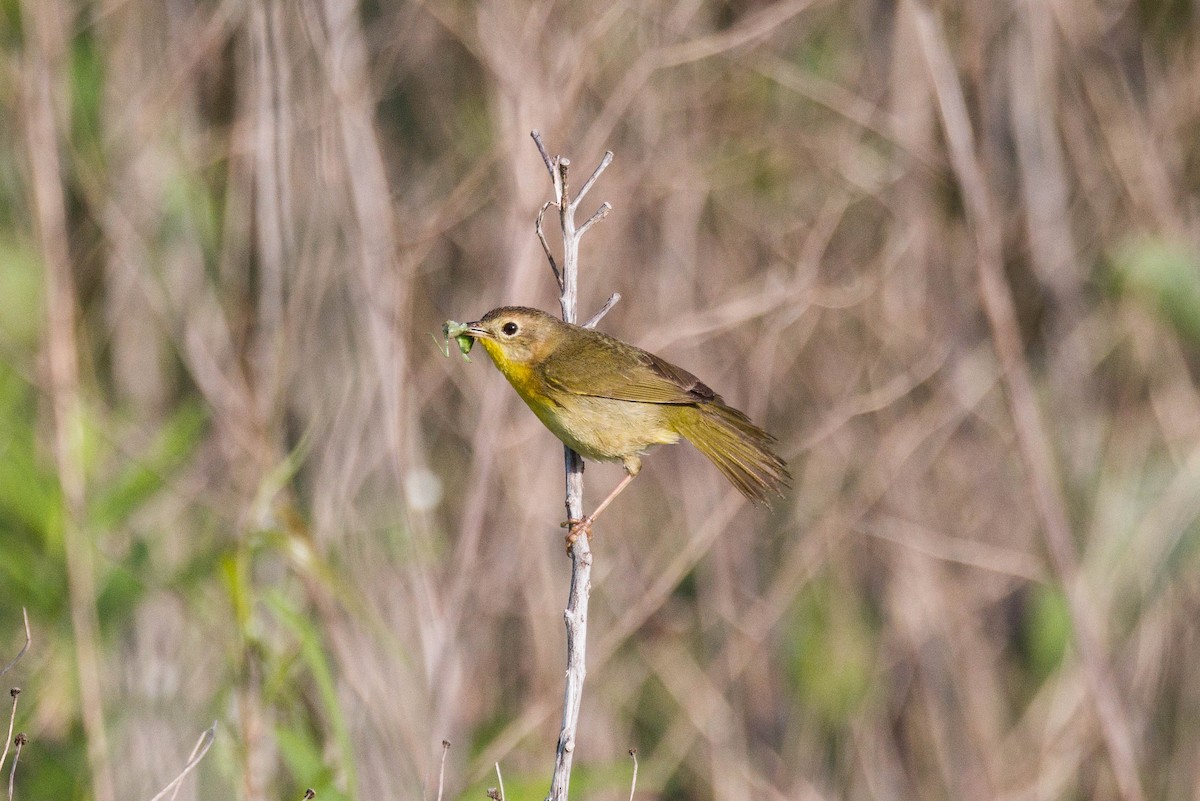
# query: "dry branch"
[[19, 742], [198, 751], [500, 780], [442, 770], [633, 781], [581, 555], [28, 638], [15, 692]]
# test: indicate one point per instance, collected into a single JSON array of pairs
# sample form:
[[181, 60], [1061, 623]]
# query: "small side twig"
[[563, 186], [19, 742], [442, 770], [604, 162], [598, 316], [557, 167], [497, 794], [198, 751], [24, 648], [596, 217], [633, 784], [537, 139], [14, 692], [541, 235]]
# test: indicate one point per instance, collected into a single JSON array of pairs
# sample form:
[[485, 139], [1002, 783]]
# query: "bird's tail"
[[739, 449]]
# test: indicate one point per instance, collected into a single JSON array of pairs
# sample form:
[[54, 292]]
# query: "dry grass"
[[946, 253]]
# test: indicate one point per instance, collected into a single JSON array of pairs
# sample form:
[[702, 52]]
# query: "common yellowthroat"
[[611, 401]]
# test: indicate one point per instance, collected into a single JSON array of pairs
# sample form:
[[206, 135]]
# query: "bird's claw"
[[576, 529]]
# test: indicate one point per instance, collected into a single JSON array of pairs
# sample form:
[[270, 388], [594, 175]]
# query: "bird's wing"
[[619, 371]]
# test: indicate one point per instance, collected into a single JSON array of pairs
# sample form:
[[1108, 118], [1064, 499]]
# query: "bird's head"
[[516, 336]]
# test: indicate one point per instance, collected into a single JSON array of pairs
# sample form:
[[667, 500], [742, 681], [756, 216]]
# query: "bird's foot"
[[576, 529]]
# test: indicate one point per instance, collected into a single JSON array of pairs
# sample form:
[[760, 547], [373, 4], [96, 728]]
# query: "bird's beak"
[[476, 330]]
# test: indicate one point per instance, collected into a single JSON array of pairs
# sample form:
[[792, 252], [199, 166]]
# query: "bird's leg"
[[578, 527]]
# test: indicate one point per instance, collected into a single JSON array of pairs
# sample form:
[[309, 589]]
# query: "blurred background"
[[946, 252]]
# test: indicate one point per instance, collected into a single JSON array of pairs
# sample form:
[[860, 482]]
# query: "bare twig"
[[633, 783], [598, 316], [563, 188], [557, 167], [1031, 433], [309, 794], [596, 217], [198, 751], [546, 246], [537, 140], [442, 771], [14, 692], [604, 162], [24, 648], [19, 742], [581, 555], [500, 779]]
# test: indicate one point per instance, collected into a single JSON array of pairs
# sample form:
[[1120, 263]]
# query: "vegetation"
[[949, 254]]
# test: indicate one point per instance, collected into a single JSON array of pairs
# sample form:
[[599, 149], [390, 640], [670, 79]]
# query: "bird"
[[611, 401]]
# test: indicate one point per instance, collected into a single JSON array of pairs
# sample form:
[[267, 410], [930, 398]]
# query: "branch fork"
[[559, 168]]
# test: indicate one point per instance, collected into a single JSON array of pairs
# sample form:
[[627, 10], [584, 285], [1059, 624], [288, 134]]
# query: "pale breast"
[[609, 430]]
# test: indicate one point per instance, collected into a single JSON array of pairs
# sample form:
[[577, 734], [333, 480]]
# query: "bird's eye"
[[509, 329]]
